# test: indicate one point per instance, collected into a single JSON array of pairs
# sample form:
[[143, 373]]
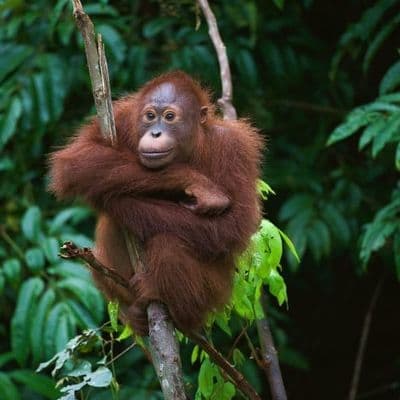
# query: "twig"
[[70, 250], [240, 381], [163, 343], [363, 341], [270, 355], [226, 99]]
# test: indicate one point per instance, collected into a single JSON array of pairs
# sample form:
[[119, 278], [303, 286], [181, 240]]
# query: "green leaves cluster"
[[53, 297]]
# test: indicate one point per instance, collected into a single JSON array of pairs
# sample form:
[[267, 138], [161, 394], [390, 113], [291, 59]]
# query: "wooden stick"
[[163, 343]]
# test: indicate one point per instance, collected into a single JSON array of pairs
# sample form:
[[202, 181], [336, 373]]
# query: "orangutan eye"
[[150, 116], [169, 116]]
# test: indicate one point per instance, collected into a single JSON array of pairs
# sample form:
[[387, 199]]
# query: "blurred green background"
[[304, 72]]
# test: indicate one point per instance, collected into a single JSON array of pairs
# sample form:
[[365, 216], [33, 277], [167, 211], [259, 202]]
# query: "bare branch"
[[70, 250], [239, 380], [165, 351], [363, 341], [98, 72], [270, 356], [226, 100]]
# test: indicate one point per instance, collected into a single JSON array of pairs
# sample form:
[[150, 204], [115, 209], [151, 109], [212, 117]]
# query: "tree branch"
[[270, 355], [226, 100], [272, 368], [363, 341], [163, 343]]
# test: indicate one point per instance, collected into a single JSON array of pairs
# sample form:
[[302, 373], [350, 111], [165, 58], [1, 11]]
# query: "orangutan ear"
[[203, 114]]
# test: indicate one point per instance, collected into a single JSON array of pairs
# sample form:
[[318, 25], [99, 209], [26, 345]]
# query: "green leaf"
[[391, 79], [238, 357], [41, 97], [11, 57], [73, 214], [36, 333], [273, 249], [240, 300], [23, 316], [12, 270], [34, 259], [264, 189], [8, 122], [336, 222], [277, 287], [127, 332], [50, 248], [113, 311], [195, 354], [50, 339], [5, 358], [289, 244], [114, 42], [86, 293], [294, 205], [81, 314], [37, 383], [391, 129], [371, 131], [378, 40], [206, 378], [100, 378], [62, 330], [355, 121], [31, 223], [8, 391]]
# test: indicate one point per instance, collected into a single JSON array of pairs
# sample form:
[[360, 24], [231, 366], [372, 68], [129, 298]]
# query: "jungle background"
[[320, 79]]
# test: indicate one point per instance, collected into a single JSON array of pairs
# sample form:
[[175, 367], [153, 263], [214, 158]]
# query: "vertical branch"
[[363, 341], [98, 72], [226, 99], [270, 355], [163, 343], [269, 352]]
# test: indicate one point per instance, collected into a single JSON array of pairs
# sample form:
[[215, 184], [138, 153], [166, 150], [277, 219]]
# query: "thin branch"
[[70, 250], [226, 100], [270, 355], [240, 381], [163, 343], [363, 341]]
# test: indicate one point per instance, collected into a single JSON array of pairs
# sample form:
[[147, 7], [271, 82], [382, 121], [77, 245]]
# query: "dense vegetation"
[[320, 79]]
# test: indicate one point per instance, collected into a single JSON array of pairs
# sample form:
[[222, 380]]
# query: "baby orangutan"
[[183, 182]]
